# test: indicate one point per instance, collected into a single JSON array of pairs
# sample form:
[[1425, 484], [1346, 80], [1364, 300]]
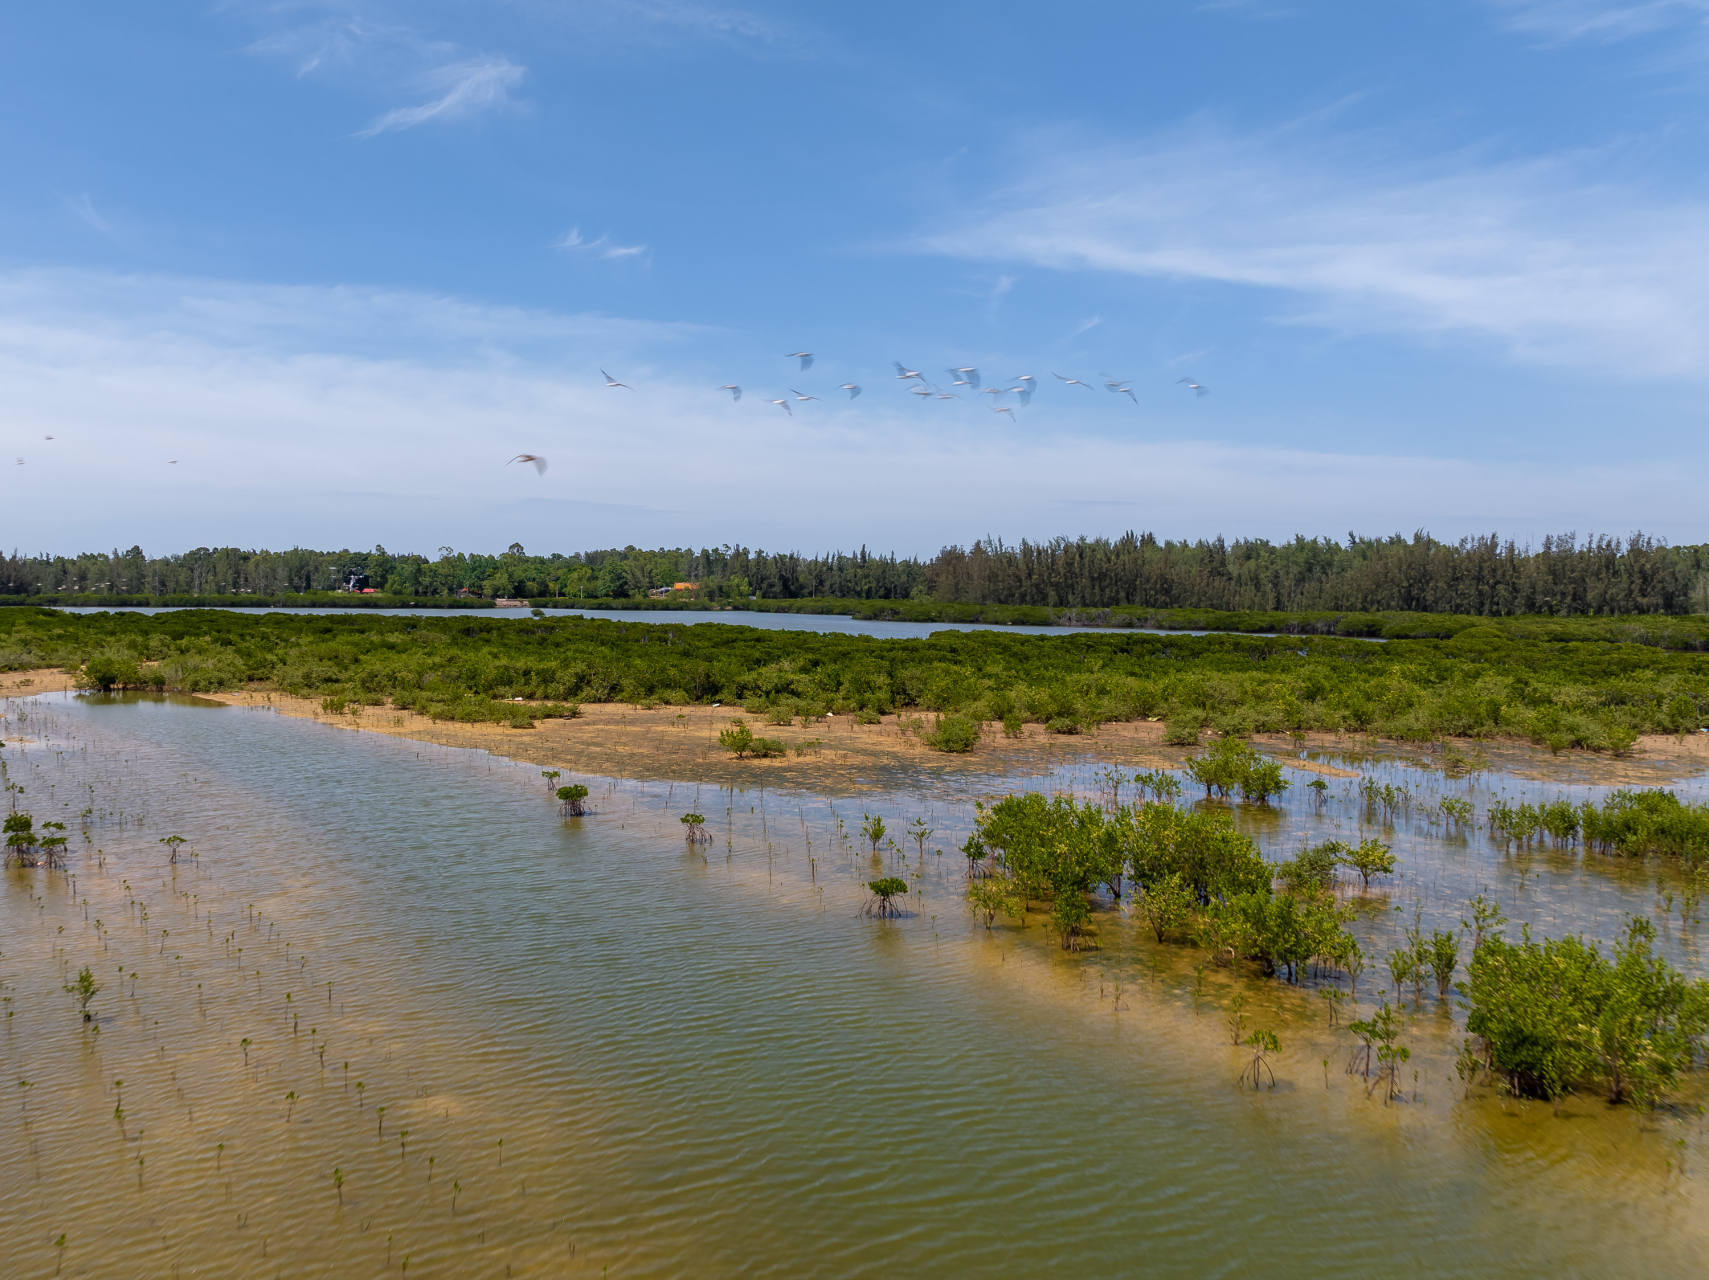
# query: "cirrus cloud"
[[1541, 258], [465, 89]]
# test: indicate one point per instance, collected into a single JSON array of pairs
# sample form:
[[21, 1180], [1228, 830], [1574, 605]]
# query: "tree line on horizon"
[[1482, 576]]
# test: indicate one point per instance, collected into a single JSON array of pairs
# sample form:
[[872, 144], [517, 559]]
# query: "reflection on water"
[[610, 1051], [825, 623]]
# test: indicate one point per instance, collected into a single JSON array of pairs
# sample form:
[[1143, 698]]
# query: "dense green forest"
[[1563, 692], [1476, 576]]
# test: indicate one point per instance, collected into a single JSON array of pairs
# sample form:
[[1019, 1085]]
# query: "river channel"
[[389, 1014]]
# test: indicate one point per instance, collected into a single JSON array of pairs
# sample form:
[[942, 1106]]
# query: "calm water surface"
[[710, 1063], [825, 623]]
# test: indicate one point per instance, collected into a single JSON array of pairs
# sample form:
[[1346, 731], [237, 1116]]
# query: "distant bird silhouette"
[[1198, 389], [1073, 382], [799, 396], [806, 358], [905, 374], [733, 389], [850, 388], [173, 463], [536, 459], [47, 437], [784, 405], [20, 462], [613, 382]]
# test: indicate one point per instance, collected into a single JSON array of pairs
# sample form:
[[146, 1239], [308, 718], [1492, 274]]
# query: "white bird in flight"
[[799, 396], [905, 374], [536, 459], [969, 374], [1003, 408], [733, 389], [784, 405], [806, 358], [851, 388], [1025, 390], [1073, 382], [1023, 394], [1198, 389], [1119, 387], [921, 390], [613, 382]]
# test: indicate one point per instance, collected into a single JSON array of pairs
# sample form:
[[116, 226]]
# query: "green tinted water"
[[710, 1063]]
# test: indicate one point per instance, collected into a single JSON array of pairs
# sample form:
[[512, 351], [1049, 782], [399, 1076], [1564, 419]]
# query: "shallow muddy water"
[[709, 1062]]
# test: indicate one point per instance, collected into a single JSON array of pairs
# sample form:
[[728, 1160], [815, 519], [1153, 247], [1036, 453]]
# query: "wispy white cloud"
[[1600, 19], [467, 88], [572, 240], [1542, 259], [741, 30], [83, 209], [269, 395]]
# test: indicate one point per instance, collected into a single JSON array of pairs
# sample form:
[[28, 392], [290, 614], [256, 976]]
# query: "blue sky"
[[1441, 265]]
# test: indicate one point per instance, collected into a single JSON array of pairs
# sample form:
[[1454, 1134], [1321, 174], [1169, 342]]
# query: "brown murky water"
[[710, 1063]]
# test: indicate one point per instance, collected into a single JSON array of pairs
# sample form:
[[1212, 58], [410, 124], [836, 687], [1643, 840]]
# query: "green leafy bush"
[[1553, 1015], [953, 733]]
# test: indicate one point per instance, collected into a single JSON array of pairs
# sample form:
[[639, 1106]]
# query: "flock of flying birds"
[[966, 376]]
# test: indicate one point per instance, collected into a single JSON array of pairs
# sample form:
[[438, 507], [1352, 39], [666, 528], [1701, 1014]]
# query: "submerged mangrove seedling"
[[381, 1113], [85, 989], [456, 1187], [501, 1153], [359, 1087], [244, 1045], [694, 825], [290, 1104], [1403, 966], [974, 850], [1379, 1031], [883, 891], [872, 828], [1443, 955], [1332, 997], [1262, 1044], [172, 843], [1372, 857], [1235, 1017], [59, 1258], [338, 1185], [920, 832], [403, 1144]]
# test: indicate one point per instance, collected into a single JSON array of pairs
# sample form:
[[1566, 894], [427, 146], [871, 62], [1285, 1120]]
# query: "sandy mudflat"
[[681, 743]]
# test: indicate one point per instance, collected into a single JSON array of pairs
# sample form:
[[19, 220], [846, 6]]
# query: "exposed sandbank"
[[681, 743]]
